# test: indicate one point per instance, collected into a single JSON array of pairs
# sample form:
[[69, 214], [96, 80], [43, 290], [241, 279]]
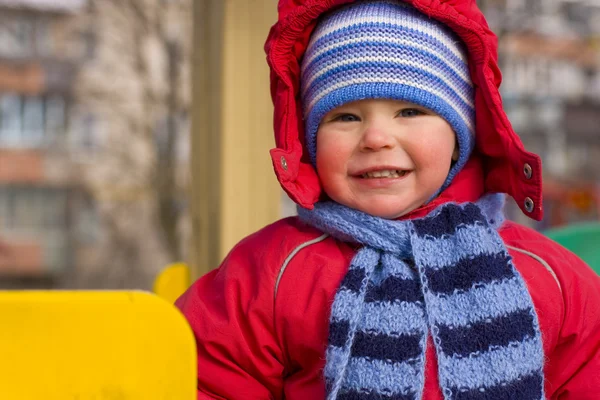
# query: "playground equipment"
[[94, 346], [172, 281], [581, 239]]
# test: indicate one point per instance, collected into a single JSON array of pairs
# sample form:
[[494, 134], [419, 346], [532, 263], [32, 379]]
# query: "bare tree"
[[136, 82]]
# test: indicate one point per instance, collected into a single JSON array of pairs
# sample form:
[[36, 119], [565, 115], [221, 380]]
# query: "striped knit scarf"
[[447, 274]]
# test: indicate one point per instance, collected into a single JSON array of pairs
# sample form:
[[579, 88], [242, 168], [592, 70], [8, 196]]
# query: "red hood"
[[502, 154]]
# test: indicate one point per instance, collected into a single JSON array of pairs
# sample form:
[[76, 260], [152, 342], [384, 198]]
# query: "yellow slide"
[[94, 346]]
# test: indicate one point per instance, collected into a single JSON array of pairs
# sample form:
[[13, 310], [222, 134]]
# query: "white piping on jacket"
[[292, 254], [541, 261], [325, 236]]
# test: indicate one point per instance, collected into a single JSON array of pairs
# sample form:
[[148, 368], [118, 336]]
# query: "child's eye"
[[411, 112], [346, 118]]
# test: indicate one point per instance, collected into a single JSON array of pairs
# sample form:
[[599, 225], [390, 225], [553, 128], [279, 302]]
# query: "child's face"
[[384, 157]]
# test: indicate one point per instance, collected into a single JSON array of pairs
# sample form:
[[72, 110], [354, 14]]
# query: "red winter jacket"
[[261, 319]]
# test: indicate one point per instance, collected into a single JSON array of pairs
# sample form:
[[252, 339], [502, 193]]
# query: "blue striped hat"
[[387, 49]]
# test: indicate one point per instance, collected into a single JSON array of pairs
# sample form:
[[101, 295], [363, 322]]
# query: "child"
[[400, 278]]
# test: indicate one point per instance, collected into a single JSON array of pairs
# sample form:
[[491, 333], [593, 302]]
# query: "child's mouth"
[[391, 173]]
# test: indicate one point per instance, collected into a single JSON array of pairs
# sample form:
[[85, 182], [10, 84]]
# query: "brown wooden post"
[[234, 191]]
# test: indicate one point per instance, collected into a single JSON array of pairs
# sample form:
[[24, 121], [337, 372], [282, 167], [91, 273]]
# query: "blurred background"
[[134, 133]]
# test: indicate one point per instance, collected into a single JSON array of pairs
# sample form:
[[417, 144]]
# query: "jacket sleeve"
[[576, 356], [230, 311]]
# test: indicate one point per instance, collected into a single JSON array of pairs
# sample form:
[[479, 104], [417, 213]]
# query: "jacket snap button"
[[284, 163], [528, 171], [529, 204]]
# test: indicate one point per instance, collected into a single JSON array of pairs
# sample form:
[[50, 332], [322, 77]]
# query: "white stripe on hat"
[[462, 72], [397, 61], [403, 23]]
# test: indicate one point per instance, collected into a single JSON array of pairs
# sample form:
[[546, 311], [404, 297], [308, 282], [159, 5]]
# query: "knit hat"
[[387, 49]]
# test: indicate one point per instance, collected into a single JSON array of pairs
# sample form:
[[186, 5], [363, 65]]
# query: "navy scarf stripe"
[[353, 279], [338, 333], [391, 289], [481, 336], [395, 289], [461, 341], [527, 388], [355, 395], [376, 346], [480, 269], [387, 348], [447, 275], [448, 221]]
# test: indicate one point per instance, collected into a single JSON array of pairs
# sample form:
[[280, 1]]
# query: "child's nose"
[[376, 138]]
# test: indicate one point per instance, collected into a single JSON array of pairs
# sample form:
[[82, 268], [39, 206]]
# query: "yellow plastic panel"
[[172, 281], [94, 346]]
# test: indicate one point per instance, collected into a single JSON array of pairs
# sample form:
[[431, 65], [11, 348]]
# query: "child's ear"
[[455, 153]]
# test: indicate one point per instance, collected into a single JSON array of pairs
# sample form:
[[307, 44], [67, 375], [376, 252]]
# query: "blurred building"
[[93, 140], [40, 197], [550, 59]]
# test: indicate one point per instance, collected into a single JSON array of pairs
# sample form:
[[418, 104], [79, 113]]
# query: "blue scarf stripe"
[[504, 364], [390, 318], [395, 289], [346, 228], [447, 219], [483, 335], [466, 242], [381, 376], [396, 267], [454, 308], [526, 388], [398, 349], [337, 355], [467, 273], [344, 306]]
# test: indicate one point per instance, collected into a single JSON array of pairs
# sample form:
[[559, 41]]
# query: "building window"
[[54, 213], [33, 121], [30, 122], [11, 119], [16, 36], [23, 36], [32, 209]]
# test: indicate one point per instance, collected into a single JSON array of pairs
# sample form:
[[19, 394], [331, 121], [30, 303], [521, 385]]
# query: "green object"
[[581, 239]]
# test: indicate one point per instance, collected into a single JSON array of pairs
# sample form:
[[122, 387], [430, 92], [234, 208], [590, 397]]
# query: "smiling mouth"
[[391, 173]]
